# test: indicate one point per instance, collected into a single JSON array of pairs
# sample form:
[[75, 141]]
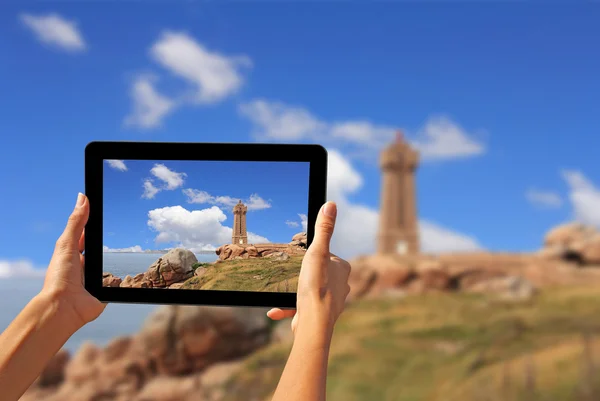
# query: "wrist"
[[57, 308], [313, 331]]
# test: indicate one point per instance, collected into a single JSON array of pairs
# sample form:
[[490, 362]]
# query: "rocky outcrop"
[[108, 280], [385, 274], [138, 281], [300, 240], [181, 353], [573, 242], [184, 339], [173, 267], [232, 251]]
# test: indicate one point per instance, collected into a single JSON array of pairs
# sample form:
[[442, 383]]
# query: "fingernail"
[[330, 209], [80, 200]]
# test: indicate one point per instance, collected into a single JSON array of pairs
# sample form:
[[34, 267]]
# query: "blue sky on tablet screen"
[[153, 205]]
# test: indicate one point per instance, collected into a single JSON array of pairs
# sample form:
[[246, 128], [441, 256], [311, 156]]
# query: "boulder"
[[279, 256], [299, 240], [511, 288], [185, 339], [566, 234], [54, 373], [200, 271], [108, 280], [172, 267], [591, 252], [83, 368], [139, 281], [252, 252]]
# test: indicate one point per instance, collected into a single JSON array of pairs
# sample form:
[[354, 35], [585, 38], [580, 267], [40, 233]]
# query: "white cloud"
[[56, 31], [171, 178], [149, 190], [303, 221], [357, 225], [194, 229], [544, 199], [275, 120], [442, 139], [19, 268], [117, 164], [135, 248], [584, 197], [439, 139], [253, 202], [292, 224], [214, 76], [149, 106]]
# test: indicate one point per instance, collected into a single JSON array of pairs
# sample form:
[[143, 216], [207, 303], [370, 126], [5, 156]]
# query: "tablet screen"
[[204, 225]]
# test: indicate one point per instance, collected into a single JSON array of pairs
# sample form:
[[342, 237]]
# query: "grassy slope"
[[259, 274], [447, 347]]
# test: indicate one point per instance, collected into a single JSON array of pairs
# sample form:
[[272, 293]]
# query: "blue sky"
[[162, 204], [500, 99]]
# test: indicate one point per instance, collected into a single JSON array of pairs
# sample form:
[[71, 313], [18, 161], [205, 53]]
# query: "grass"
[[259, 274], [447, 347]]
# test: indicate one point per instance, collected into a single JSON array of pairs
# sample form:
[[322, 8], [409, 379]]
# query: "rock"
[[435, 279], [217, 375], [108, 280], [173, 267], [565, 234], [165, 388], [252, 252], [54, 373], [184, 339], [139, 281], [200, 271], [229, 251], [117, 348], [82, 368], [279, 256], [175, 286], [591, 252], [512, 288], [301, 238]]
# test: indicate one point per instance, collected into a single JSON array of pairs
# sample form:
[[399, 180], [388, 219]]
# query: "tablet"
[[200, 223]]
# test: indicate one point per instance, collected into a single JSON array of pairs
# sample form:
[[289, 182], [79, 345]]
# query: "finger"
[[279, 314], [69, 239], [82, 242], [324, 227]]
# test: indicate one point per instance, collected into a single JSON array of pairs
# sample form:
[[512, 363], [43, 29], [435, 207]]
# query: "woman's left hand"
[[64, 277]]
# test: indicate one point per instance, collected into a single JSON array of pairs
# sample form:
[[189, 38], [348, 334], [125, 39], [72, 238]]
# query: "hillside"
[[451, 347], [257, 274]]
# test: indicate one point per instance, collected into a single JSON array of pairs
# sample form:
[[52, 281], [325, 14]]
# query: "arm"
[[51, 317], [31, 340], [322, 290], [305, 373]]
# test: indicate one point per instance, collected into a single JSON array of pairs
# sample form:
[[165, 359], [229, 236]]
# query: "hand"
[[323, 281], [64, 277]]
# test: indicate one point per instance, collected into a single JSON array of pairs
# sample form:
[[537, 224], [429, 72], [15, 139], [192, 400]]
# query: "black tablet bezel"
[[97, 152]]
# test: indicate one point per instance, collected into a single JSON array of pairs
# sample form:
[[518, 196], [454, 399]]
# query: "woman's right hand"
[[323, 281]]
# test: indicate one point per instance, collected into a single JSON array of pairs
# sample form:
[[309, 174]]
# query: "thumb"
[[69, 240], [324, 227]]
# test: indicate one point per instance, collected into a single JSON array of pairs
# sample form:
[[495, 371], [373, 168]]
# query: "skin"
[[322, 291], [63, 306]]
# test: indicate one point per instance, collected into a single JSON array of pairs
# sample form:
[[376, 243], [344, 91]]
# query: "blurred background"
[[500, 101]]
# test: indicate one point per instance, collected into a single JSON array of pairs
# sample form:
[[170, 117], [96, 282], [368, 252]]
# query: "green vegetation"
[[259, 274], [453, 347], [200, 264]]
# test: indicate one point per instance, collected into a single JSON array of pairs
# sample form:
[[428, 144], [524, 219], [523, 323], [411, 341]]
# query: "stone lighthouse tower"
[[239, 236], [398, 225]]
